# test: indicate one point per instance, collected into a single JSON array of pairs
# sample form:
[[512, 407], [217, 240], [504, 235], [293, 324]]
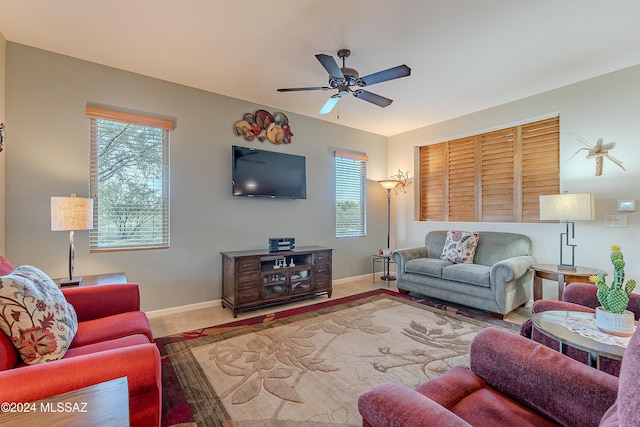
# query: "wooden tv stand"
[[258, 278]]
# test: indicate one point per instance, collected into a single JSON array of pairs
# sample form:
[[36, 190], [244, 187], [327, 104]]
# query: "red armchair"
[[113, 340], [576, 297], [512, 381]]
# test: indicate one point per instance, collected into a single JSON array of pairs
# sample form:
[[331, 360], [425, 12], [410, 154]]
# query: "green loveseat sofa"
[[499, 280]]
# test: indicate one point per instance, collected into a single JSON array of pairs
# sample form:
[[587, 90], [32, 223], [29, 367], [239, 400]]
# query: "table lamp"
[[567, 208], [70, 214]]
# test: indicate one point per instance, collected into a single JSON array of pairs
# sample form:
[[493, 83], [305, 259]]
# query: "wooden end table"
[[103, 404], [549, 323], [100, 279], [552, 272]]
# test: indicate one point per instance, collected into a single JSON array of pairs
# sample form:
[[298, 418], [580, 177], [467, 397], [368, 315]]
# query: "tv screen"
[[263, 173]]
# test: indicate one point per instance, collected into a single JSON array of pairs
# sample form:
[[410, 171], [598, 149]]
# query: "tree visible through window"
[[129, 180], [351, 194]]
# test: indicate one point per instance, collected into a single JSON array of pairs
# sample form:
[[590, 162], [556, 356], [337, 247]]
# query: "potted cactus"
[[613, 317]]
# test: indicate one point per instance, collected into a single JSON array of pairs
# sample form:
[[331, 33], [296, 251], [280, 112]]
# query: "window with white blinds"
[[129, 180], [493, 177], [351, 194]]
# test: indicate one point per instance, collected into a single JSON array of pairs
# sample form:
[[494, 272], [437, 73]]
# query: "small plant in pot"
[[613, 317]]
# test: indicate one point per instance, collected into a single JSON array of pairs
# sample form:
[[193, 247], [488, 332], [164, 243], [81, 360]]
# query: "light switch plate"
[[615, 220]]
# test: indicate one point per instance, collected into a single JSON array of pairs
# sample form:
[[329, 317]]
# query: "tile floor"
[[169, 324]]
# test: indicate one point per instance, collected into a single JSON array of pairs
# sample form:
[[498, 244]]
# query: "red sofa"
[[512, 381], [113, 340]]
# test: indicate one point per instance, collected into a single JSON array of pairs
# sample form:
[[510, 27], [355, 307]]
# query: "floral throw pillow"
[[460, 247], [35, 315], [5, 266]]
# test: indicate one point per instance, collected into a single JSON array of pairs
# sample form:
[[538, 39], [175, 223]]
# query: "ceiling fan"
[[345, 79]]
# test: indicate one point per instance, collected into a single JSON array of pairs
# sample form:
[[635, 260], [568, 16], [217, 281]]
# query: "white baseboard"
[[183, 308], [350, 279], [217, 303]]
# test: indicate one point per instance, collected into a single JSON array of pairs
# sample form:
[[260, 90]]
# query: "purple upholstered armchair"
[[512, 381], [576, 297]]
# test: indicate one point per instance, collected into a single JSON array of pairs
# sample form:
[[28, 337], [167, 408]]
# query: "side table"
[[100, 279], [552, 272], [103, 404], [549, 323], [386, 260]]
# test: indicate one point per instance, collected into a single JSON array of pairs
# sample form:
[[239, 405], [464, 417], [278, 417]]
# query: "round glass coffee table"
[[551, 324]]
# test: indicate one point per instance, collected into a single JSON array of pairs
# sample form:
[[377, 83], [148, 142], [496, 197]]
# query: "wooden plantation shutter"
[[497, 166], [461, 180], [540, 165], [493, 177], [432, 191]]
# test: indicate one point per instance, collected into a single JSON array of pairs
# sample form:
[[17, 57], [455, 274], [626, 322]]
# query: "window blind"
[[540, 165], [129, 181], [496, 176], [460, 183], [432, 184], [351, 194], [95, 112]]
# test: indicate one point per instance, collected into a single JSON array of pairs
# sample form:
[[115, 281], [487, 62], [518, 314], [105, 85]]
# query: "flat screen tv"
[[263, 173]]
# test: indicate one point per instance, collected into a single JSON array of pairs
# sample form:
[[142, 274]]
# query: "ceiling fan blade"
[[296, 89], [373, 98], [330, 64], [331, 102], [384, 75]]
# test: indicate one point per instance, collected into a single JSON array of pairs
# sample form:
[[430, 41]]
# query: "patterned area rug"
[[308, 366]]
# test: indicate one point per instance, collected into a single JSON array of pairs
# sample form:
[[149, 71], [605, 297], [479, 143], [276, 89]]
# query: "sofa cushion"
[[469, 397], [112, 327], [460, 246], [5, 266], [472, 274], [35, 315], [427, 266], [127, 341]]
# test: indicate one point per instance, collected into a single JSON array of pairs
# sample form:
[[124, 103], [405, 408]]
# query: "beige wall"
[[46, 98], [48, 151], [605, 107]]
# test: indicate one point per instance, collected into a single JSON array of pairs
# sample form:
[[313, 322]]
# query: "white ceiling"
[[465, 55]]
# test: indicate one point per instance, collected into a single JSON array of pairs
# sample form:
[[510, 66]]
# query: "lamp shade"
[[567, 207], [71, 213], [389, 184]]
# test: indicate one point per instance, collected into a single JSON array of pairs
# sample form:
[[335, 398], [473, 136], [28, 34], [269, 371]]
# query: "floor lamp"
[[567, 208], [388, 184], [70, 214]]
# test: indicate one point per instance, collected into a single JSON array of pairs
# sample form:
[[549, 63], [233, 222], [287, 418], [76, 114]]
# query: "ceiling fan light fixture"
[[334, 82], [331, 102], [350, 75]]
